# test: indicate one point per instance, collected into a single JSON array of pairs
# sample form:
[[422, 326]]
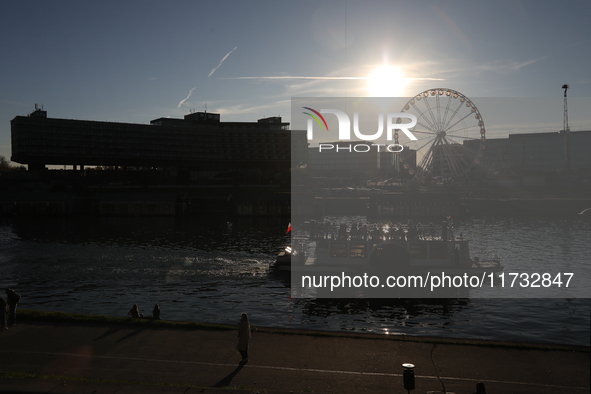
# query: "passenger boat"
[[321, 247]]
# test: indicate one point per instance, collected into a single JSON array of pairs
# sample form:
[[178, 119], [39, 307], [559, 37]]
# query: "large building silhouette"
[[536, 154], [200, 141]]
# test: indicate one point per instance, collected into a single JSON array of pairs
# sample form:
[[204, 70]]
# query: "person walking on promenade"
[[243, 337], [3, 312], [12, 298]]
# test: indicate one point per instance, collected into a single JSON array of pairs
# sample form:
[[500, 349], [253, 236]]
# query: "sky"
[[135, 61]]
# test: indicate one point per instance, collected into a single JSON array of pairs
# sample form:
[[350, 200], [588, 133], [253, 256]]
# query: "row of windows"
[[25, 145], [260, 136], [142, 131], [73, 149], [32, 139], [92, 155]]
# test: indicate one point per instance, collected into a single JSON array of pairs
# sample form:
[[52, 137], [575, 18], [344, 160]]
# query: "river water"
[[212, 269]]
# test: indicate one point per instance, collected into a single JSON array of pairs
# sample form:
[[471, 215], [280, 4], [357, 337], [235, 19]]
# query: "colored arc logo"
[[315, 118]]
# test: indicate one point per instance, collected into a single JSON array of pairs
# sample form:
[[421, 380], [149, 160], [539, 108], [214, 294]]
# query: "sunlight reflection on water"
[[212, 271]]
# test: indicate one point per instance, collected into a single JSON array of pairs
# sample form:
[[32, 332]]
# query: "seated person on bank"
[[156, 312], [135, 313]]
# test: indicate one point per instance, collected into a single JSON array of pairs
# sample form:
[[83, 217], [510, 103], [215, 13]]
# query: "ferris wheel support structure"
[[450, 134]]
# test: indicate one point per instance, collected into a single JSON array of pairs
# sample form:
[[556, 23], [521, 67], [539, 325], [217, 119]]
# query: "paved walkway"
[[131, 359]]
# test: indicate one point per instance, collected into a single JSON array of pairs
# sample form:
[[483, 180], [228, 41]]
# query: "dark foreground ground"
[[43, 357]]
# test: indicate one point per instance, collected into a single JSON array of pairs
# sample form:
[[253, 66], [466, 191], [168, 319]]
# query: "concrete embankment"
[[61, 357]]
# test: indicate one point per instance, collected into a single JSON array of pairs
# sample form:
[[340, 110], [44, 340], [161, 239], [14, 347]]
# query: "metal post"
[[408, 376], [566, 130]]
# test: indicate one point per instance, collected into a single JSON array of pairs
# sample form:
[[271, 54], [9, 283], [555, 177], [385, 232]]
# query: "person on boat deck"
[[444, 228], [390, 232], [400, 234], [430, 231], [413, 234], [420, 234], [364, 233], [343, 232], [354, 231], [410, 231], [135, 313], [243, 337], [381, 233], [376, 233]]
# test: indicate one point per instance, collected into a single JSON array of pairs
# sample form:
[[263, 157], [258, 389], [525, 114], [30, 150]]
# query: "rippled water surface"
[[211, 270]]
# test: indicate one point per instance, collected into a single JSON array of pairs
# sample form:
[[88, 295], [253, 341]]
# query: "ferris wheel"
[[450, 133]]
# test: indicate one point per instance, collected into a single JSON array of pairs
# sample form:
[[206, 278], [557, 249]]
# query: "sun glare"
[[386, 81]]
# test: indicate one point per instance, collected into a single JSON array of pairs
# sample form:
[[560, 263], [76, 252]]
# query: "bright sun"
[[386, 81]]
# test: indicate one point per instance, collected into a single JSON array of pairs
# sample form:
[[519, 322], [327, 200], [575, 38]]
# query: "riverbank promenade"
[[58, 357]]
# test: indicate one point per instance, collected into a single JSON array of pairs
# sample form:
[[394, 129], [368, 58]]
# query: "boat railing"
[[379, 232]]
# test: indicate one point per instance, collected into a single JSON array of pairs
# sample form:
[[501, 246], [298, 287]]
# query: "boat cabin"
[[416, 246], [420, 253]]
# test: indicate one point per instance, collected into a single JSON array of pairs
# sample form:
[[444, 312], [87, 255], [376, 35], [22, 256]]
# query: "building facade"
[[536, 154], [200, 141]]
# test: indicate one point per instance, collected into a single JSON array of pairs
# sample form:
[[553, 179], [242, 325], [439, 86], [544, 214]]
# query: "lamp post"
[[566, 131]]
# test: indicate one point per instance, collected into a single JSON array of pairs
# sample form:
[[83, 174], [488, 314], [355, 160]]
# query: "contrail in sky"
[[332, 78], [189, 95], [212, 71], [294, 77], [221, 61]]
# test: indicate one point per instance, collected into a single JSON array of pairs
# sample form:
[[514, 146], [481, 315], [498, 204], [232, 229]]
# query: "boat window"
[[358, 250], [418, 250], [438, 250], [338, 249]]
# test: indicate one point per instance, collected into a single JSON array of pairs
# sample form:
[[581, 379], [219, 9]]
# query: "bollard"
[[408, 377]]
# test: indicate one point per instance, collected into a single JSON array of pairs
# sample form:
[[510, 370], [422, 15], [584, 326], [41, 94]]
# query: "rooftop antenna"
[[566, 131], [205, 107]]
